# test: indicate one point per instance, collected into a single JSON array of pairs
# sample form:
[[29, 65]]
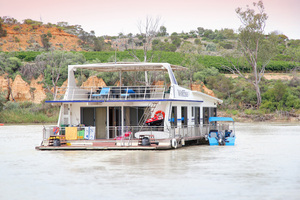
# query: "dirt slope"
[[24, 37]]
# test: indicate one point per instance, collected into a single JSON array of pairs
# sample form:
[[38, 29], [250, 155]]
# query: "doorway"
[[101, 122], [95, 117]]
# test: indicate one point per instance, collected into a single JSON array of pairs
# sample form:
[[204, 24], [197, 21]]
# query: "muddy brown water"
[[264, 164]]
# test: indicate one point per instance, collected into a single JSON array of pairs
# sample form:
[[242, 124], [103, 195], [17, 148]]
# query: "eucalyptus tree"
[[147, 32], [255, 49], [9, 65], [54, 67]]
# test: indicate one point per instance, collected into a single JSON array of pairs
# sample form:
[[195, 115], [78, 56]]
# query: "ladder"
[[147, 113]]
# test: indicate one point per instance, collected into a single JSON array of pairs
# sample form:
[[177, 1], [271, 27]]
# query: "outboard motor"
[[221, 138]]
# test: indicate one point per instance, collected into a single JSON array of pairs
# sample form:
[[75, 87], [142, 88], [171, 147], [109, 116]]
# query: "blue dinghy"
[[221, 131]]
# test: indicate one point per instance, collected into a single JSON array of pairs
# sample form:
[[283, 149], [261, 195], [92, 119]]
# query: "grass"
[[31, 113], [13, 116]]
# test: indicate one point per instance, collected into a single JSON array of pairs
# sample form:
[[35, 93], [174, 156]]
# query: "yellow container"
[[71, 133]]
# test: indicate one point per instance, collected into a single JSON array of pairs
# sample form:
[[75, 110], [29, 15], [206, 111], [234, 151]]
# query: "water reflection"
[[262, 165]]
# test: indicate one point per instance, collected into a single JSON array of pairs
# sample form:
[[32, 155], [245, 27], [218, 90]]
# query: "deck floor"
[[105, 144]]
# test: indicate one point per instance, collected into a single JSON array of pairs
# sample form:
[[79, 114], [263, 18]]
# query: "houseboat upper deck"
[[95, 116]]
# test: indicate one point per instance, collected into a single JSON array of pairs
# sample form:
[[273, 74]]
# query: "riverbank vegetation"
[[27, 112], [280, 98]]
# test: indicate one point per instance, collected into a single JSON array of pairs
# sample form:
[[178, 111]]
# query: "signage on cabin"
[[183, 93]]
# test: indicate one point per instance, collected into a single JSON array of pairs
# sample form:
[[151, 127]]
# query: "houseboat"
[[143, 116]]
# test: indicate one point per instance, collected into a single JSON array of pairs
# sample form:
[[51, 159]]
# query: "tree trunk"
[[258, 96], [10, 90], [54, 92]]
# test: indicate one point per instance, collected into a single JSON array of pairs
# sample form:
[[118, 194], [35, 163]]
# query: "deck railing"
[[111, 93], [129, 132]]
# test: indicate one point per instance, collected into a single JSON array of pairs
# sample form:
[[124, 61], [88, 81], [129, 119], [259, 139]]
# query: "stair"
[[147, 113]]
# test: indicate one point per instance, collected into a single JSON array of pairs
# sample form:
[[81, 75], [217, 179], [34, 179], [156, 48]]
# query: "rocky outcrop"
[[93, 81], [4, 85], [37, 90], [202, 88], [20, 90]]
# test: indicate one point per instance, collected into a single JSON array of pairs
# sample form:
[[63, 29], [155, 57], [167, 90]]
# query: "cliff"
[[24, 37], [35, 91], [202, 88]]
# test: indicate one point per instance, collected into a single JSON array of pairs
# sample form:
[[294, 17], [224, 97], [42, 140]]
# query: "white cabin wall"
[[75, 115]]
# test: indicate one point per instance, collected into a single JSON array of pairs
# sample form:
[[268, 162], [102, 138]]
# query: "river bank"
[[25, 117], [257, 116]]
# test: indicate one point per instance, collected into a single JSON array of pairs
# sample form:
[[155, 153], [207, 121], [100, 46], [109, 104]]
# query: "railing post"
[[91, 94]]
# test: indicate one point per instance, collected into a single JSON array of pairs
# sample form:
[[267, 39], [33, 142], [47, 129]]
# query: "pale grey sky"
[[111, 17]]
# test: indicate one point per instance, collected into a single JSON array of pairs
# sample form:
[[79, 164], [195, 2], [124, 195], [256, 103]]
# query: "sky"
[[110, 17]]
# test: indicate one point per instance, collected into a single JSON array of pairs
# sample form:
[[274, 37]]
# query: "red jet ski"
[[157, 120]]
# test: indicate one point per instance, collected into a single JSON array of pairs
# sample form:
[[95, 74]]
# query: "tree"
[[162, 31], [53, 66], [255, 49], [190, 56], [8, 66], [200, 31], [45, 38], [3, 32], [148, 31]]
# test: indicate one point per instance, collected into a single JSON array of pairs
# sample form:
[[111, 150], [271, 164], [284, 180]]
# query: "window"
[[205, 115], [197, 115], [174, 116], [184, 116]]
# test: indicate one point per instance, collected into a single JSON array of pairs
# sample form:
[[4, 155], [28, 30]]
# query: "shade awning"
[[119, 66], [219, 119]]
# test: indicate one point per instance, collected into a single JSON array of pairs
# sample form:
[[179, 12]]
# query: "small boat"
[[1, 124], [221, 131]]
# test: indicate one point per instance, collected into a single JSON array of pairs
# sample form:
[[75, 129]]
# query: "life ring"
[[174, 143], [55, 130], [159, 112]]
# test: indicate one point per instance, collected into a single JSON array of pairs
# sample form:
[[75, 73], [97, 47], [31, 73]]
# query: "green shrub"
[[211, 47], [232, 112], [17, 28], [17, 40], [197, 41]]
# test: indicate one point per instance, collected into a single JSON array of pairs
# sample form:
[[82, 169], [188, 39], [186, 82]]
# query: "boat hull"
[[213, 141], [229, 141]]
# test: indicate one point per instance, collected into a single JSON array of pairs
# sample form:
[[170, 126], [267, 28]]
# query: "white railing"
[[111, 93], [128, 132]]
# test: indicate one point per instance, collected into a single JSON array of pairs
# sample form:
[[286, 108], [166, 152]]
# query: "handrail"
[[113, 93], [116, 132]]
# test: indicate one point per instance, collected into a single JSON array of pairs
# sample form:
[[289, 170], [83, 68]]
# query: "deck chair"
[[104, 93], [128, 93]]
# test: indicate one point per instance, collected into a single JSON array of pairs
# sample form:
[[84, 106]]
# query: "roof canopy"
[[220, 119], [117, 67]]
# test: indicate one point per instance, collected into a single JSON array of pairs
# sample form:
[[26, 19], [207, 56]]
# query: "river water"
[[264, 164]]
